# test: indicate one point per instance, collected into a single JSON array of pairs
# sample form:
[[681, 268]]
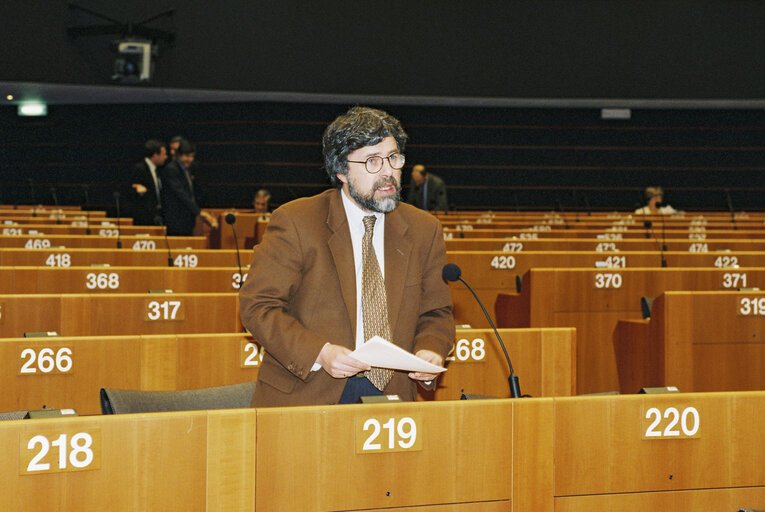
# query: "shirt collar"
[[355, 214], [152, 166]]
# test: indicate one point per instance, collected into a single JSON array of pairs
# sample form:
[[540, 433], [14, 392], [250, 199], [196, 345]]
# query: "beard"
[[368, 201]]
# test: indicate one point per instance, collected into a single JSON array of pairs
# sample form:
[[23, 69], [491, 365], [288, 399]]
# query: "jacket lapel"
[[398, 249], [342, 253]]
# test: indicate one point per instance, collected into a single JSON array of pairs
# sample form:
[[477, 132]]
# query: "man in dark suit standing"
[[427, 191], [180, 207], [334, 268], [146, 185]]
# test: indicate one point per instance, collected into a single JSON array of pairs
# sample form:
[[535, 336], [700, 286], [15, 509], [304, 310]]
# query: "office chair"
[[124, 401]]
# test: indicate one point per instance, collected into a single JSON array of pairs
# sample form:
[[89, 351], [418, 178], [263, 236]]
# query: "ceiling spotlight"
[[32, 109], [9, 97]]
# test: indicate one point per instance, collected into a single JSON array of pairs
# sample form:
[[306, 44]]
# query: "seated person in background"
[[427, 191], [260, 201], [655, 196]]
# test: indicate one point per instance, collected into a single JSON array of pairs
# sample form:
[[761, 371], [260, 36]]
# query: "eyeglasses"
[[373, 164]]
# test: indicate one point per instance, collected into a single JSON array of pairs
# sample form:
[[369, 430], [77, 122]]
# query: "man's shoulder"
[[415, 217], [312, 208]]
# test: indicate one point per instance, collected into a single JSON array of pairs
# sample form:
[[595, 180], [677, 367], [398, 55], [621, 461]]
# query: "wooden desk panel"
[[126, 257], [193, 461], [303, 452], [118, 313], [572, 298], [73, 369], [480, 270], [696, 341], [102, 228], [43, 242], [600, 447], [544, 361], [610, 247]]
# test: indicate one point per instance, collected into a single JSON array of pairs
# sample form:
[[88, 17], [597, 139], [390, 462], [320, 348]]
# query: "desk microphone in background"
[[562, 213], [231, 220], [159, 221], [117, 202], [662, 247], [54, 196], [86, 205], [730, 209], [32, 195], [451, 273]]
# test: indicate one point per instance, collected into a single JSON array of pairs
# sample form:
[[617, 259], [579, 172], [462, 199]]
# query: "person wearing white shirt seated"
[[655, 196]]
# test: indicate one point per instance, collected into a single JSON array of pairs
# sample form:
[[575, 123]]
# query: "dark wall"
[[491, 158], [492, 48]]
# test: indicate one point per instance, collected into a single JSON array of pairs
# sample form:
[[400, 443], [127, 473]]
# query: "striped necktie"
[[374, 305]]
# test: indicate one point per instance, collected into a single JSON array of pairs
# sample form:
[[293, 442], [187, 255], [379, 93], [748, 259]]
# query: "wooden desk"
[[191, 461], [604, 461], [467, 456], [134, 279], [696, 341], [543, 359], [594, 300], [492, 273], [135, 242], [119, 313], [150, 254], [102, 229], [606, 235], [569, 454], [69, 371], [723, 246]]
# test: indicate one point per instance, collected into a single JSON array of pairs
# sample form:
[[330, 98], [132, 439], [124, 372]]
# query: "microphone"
[[451, 273], [230, 220], [32, 195], [562, 213], [55, 202], [160, 222], [117, 201], [730, 209], [586, 204], [86, 205], [649, 225]]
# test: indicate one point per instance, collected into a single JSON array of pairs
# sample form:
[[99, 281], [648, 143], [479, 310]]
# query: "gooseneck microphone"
[[562, 213], [231, 220], [85, 206], [159, 221], [117, 202], [32, 196], [730, 209], [451, 273], [662, 247], [54, 196]]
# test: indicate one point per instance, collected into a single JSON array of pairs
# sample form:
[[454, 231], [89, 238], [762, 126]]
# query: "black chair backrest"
[[123, 401]]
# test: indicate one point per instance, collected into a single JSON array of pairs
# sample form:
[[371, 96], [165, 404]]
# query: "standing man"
[[339, 267], [146, 185], [427, 191], [180, 207]]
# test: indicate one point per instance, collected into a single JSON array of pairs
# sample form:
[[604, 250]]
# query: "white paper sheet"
[[384, 354]]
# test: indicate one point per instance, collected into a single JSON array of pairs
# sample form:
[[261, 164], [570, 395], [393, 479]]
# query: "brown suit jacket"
[[300, 293]]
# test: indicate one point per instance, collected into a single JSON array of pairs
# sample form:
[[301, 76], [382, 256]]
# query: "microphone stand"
[[117, 201], [452, 272], [662, 247], [230, 220], [87, 212]]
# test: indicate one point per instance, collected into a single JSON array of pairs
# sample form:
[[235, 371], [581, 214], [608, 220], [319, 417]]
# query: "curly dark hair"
[[357, 128]]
